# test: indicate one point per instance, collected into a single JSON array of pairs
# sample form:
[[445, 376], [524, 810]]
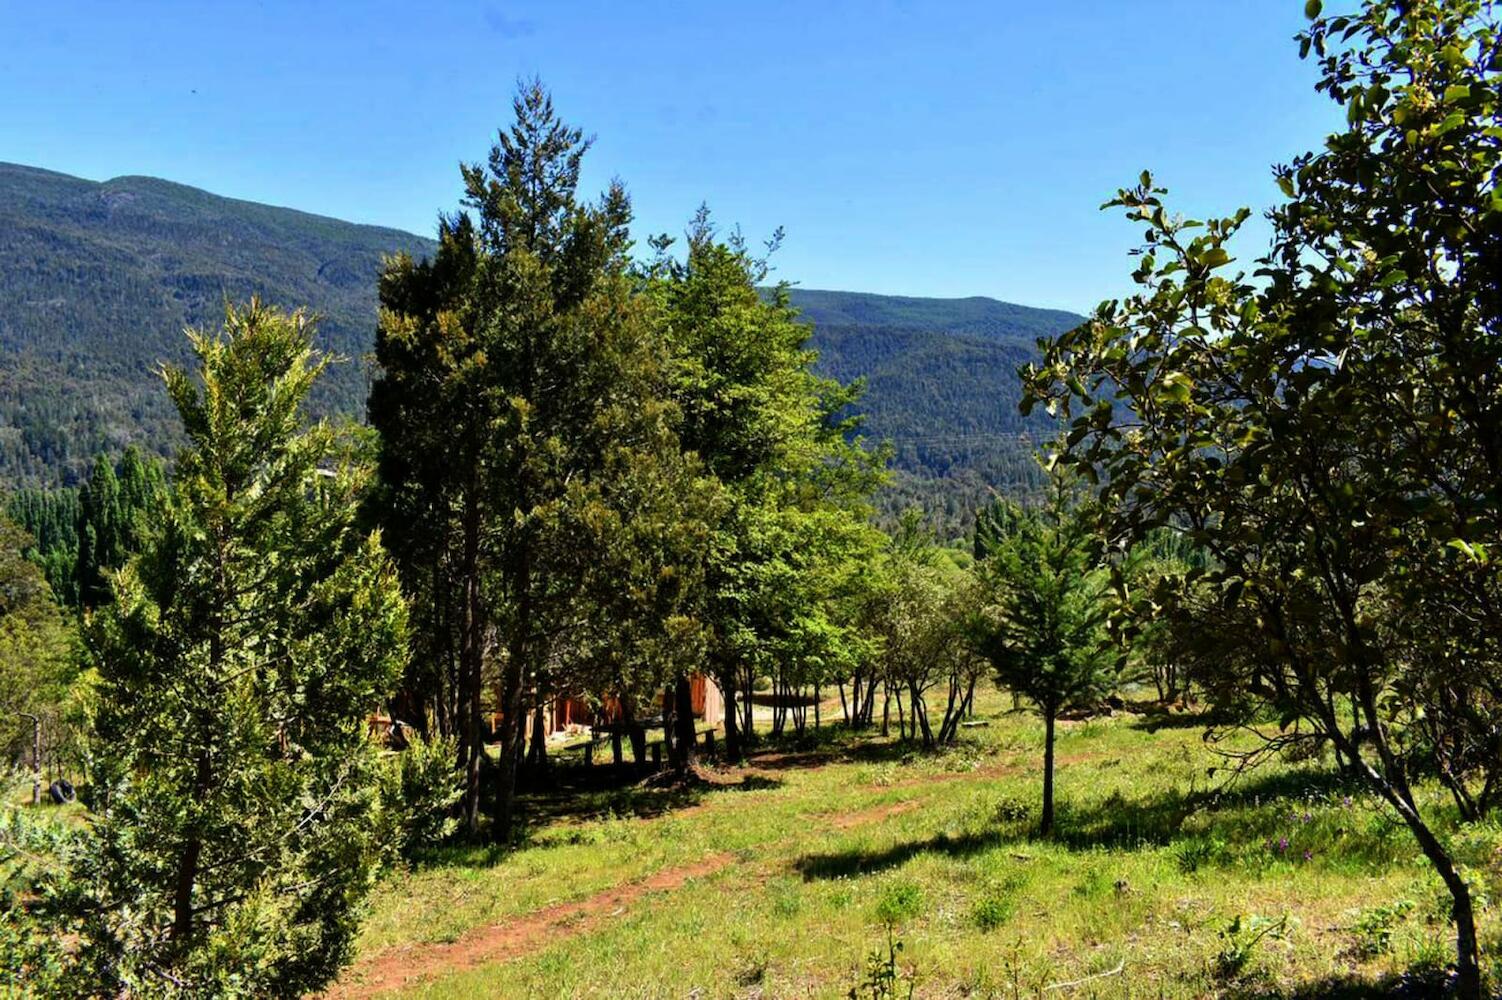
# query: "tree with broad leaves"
[[1331, 436]]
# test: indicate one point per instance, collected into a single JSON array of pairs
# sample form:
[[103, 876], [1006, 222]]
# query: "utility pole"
[[36, 757]]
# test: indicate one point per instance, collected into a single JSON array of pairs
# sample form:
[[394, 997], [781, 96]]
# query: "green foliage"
[[1240, 938], [421, 791], [784, 571], [1042, 627], [993, 910], [884, 979], [32, 852], [114, 506], [241, 812], [1041, 624], [1374, 927], [535, 486], [39, 673], [918, 610], [50, 516], [899, 902], [1330, 435]]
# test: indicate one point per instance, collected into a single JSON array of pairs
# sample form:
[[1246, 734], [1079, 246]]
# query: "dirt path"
[[394, 968]]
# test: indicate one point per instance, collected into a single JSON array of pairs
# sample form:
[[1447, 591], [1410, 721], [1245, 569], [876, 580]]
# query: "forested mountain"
[[97, 281], [941, 386]]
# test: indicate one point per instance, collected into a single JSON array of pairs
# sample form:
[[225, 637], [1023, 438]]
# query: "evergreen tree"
[[1043, 623], [50, 516], [520, 412], [793, 530], [111, 505], [241, 813]]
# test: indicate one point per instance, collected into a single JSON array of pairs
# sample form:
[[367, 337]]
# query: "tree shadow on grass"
[[858, 861], [1119, 823], [1425, 984]]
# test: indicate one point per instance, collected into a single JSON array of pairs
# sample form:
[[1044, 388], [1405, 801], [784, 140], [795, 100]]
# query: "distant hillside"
[[976, 316], [942, 387], [97, 281]]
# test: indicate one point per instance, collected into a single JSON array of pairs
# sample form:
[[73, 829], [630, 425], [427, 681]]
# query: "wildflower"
[[1283, 844], [1308, 854]]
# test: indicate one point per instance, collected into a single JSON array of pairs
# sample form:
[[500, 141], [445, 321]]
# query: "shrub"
[[993, 910], [1192, 855], [1240, 938], [884, 979], [899, 901]]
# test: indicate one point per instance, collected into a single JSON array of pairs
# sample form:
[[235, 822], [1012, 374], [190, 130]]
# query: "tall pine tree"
[[240, 808]]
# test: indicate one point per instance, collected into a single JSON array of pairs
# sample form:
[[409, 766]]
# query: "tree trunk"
[[187, 865], [537, 750], [685, 753], [471, 655], [732, 727], [1045, 826]]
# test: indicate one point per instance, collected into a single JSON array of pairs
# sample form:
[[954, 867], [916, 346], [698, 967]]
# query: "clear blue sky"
[[926, 148]]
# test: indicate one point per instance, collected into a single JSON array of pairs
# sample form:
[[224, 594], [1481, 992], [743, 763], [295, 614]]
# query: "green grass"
[[829, 845]]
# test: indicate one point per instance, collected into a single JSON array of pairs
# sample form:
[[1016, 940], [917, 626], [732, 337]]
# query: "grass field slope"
[[782, 880]]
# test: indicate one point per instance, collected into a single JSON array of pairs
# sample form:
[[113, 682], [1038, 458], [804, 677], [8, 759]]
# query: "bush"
[[899, 901], [884, 979], [993, 910], [1240, 939], [1192, 855], [420, 788]]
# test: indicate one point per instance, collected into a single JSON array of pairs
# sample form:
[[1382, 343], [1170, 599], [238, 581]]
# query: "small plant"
[[1374, 927], [1095, 883], [1011, 810], [1192, 855], [1240, 938], [753, 972], [993, 911], [884, 979], [899, 901]]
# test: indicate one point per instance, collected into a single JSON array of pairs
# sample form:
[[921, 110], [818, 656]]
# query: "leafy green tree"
[[1042, 625], [783, 568], [923, 608], [1331, 436], [39, 675], [240, 801], [520, 405]]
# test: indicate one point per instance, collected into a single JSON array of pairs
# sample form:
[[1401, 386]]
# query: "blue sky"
[[924, 148]]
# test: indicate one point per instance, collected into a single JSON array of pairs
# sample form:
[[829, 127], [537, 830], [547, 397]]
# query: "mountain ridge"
[[98, 279]]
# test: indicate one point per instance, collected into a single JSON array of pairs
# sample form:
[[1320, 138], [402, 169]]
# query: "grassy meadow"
[[782, 879]]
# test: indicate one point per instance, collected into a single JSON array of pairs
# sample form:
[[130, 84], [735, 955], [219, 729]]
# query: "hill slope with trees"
[[97, 281]]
